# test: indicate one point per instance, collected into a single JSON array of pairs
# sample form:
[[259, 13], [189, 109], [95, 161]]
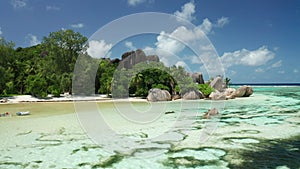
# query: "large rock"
[[129, 59], [217, 84], [153, 58], [193, 95], [229, 93], [244, 91], [198, 78], [249, 91], [216, 95], [156, 94]]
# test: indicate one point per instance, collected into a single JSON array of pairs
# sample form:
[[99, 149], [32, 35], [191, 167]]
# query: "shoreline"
[[31, 99]]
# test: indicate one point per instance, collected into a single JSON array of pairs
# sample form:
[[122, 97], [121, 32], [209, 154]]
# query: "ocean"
[[260, 131]]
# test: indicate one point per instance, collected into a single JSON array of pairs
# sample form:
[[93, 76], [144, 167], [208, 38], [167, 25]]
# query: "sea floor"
[[261, 131]]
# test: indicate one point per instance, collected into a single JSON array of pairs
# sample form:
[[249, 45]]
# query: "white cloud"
[[32, 40], [79, 25], [281, 71], [52, 8], [166, 42], [248, 58], [182, 64], [222, 21], [277, 64], [206, 26], [134, 2], [187, 11], [295, 71], [1, 31], [130, 45], [259, 70], [18, 3], [99, 49], [168, 47]]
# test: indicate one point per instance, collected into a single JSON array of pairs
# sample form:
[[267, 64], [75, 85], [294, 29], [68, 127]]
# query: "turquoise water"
[[261, 131]]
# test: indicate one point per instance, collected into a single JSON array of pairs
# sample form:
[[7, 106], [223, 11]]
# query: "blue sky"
[[256, 40]]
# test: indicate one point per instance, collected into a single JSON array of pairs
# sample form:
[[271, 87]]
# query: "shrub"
[[206, 89]]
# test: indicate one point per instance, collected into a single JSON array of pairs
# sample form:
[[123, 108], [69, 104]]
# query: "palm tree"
[[227, 82]]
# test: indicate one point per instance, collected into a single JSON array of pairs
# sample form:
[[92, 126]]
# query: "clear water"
[[261, 131]]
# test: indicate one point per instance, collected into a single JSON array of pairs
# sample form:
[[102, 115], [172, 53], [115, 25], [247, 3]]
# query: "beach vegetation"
[[47, 68], [206, 89]]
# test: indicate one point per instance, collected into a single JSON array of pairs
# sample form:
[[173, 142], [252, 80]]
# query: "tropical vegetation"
[[48, 68]]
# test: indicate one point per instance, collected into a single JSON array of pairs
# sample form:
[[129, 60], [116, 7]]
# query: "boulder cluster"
[[221, 92]]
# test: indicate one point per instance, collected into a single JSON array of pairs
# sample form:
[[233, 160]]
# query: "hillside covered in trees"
[[48, 68]]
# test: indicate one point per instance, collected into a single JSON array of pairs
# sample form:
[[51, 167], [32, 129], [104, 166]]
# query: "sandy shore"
[[29, 98]]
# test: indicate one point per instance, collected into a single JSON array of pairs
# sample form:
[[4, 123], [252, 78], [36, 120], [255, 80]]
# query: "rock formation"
[[193, 95], [217, 84], [198, 78], [129, 59], [244, 91], [216, 95], [156, 94]]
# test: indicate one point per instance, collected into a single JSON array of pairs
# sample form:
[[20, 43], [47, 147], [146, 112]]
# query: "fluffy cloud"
[[187, 11], [281, 72], [98, 49], [79, 25], [206, 26], [248, 58], [1, 31], [222, 21], [52, 8], [129, 45], [32, 40], [134, 2], [18, 3]]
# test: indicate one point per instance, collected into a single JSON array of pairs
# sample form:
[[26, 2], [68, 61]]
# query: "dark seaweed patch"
[[269, 154], [109, 162], [189, 161], [82, 164], [6, 163], [247, 131], [293, 95]]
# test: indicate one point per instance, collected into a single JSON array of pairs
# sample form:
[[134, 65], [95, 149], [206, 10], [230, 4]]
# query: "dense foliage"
[[48, 68]]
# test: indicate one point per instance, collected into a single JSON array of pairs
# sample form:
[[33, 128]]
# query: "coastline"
[[98, 98]]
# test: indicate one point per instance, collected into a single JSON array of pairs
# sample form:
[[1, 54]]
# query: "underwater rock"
[[210, 113]]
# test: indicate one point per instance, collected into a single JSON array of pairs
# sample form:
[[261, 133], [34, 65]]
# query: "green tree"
[[36, 85], [62, 49], [6, 63]]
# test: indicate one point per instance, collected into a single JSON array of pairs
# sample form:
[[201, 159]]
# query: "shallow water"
[[261, 131]]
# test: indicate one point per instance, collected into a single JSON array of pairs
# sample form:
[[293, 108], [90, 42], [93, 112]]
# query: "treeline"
[[48, 68]]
